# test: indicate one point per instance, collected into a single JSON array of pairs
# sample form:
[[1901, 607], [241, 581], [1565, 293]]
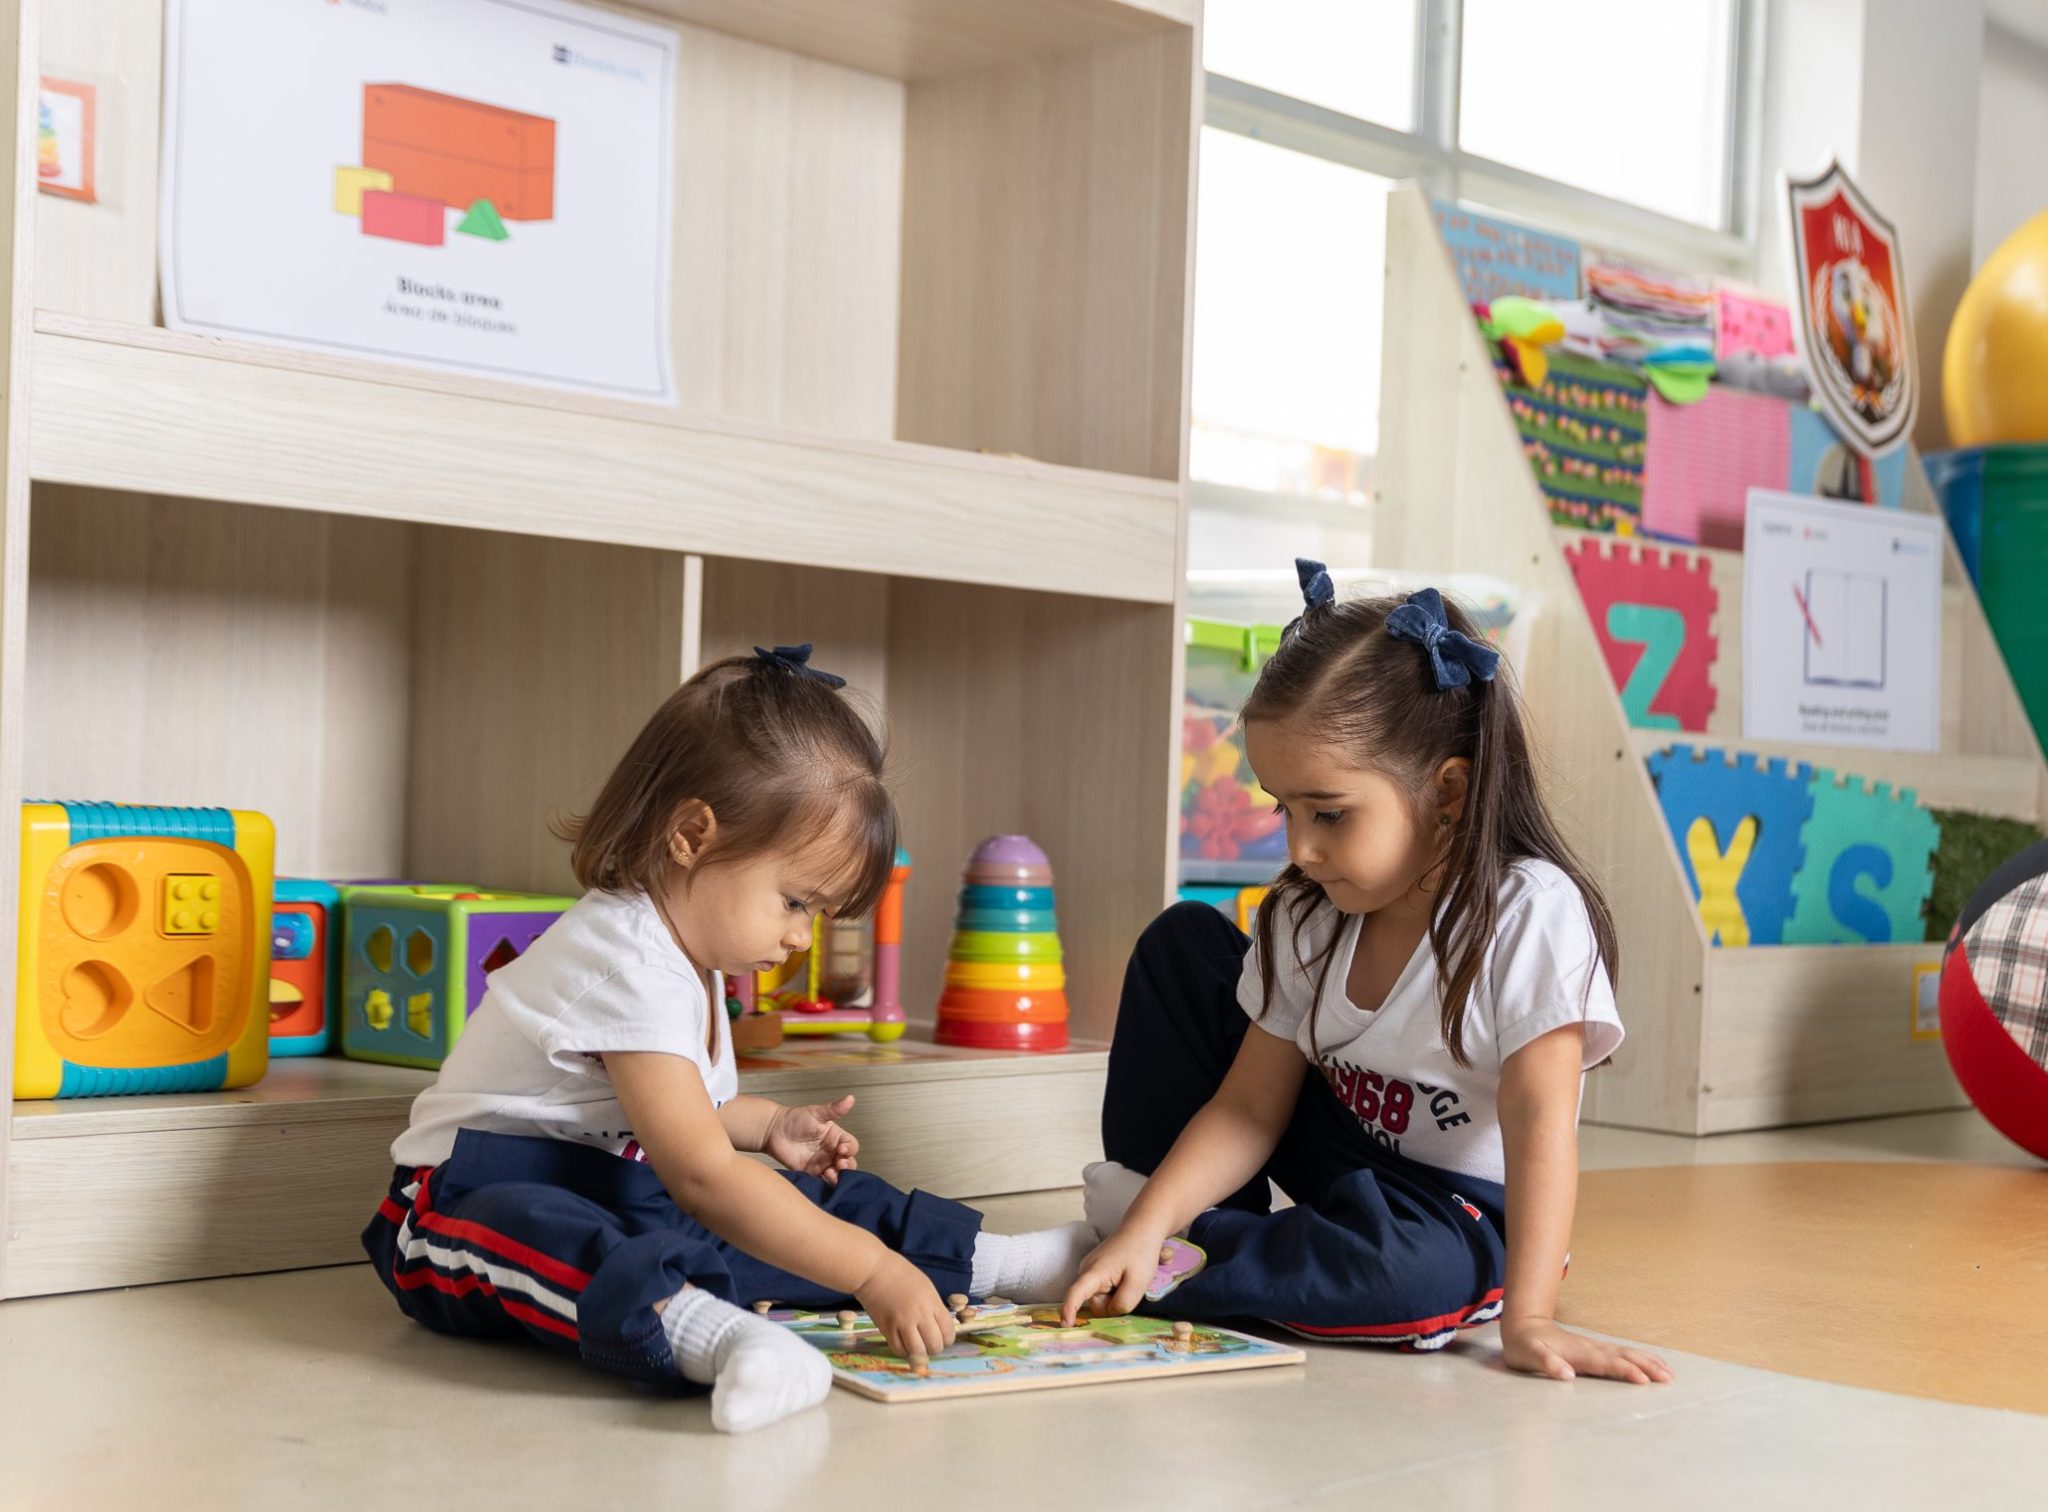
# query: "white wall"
[[1922, 68], [1892, 90], [2012, 130]]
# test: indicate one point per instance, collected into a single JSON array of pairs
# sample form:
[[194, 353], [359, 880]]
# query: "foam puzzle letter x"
[[1767, 801]]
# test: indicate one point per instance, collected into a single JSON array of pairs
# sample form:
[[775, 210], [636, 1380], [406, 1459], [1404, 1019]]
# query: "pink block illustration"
[[1701, 460], [404, 217]]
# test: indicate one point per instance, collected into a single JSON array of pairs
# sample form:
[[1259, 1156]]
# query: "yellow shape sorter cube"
[[144, 949], [349, 184]]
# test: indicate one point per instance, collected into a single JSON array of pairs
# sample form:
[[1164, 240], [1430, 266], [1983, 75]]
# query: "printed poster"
[[1852, 324], [1841, 623], [479, 186]]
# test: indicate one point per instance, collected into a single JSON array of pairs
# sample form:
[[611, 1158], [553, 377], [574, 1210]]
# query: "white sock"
[[1034, 1267], [758, 1371], [1108, 1190]]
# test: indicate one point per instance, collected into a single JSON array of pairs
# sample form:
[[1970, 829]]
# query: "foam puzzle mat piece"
[[1632, 593], [1695, 785], [1868, 864]]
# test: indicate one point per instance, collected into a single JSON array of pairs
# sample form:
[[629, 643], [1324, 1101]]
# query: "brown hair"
[[1375, 697], [780, 758]]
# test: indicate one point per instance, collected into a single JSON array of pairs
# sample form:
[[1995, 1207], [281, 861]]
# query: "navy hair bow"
[[1454, 657], [797, 659], [1316, 588]]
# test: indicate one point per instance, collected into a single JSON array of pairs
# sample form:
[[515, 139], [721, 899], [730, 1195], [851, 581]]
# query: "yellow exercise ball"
[[1994, 370]]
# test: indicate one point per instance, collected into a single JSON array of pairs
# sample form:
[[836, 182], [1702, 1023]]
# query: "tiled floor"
[[308, 1389]]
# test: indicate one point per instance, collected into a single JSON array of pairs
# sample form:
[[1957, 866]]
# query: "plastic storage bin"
[[1996, 500]]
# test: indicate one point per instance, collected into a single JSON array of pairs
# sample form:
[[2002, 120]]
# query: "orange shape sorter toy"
[[144, 943]]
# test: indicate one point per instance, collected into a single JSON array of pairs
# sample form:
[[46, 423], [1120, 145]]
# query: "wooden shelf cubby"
[[929, 324]]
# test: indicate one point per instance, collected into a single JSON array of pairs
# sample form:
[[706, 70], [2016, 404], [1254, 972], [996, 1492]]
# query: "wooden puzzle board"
[[1026, 1349]]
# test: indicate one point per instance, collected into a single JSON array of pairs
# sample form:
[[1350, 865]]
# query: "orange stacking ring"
[[982, 1007]]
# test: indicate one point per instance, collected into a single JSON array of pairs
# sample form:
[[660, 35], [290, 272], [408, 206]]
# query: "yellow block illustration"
[[349, 184]]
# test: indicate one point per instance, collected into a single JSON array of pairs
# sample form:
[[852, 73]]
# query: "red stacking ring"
[[973, 1036]]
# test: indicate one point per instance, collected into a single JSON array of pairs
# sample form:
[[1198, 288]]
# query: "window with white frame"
[[1627, 124]]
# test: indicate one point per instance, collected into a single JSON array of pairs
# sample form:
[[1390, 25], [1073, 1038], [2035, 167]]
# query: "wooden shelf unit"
[[1718, 1039], [140, 408], [930, 330], [287, 1171]]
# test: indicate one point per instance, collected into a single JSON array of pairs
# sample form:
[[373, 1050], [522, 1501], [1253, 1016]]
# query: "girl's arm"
[[756, 1210], [1223, 1147], [1539, 1113]]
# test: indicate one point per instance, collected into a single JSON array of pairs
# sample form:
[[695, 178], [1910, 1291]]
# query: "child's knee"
[[1187, 926]]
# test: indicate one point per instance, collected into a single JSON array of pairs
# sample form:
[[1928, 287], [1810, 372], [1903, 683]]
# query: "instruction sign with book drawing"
[[1841, 623]]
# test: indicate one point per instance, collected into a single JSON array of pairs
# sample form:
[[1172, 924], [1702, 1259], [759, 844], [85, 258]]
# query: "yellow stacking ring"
[[1041, 977]]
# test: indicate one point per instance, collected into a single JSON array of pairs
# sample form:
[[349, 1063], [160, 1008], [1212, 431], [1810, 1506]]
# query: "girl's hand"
[[810, 1141], [906, 1307], [1541, 1347], [1122, 1266]]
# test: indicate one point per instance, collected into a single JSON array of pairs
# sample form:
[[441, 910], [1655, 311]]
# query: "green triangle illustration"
[[483, 220]]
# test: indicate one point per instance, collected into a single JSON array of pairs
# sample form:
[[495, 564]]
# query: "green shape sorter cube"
[[416, 962]]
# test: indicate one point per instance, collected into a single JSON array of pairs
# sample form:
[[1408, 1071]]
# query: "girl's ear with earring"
[[692, 831]]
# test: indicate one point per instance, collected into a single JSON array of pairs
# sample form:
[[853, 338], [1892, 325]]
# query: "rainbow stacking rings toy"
[[1006, 986]]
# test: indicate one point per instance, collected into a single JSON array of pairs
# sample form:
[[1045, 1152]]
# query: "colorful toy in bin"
[[144, 937], [416, 961], [1224, 814], [305, 967], [850, 981], [1005, 977]]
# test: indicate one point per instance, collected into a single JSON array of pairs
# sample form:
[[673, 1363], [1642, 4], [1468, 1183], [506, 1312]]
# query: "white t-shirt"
[[1391, 1067], [607, 976]]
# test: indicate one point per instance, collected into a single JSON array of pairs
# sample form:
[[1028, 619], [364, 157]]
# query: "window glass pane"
[[1288, 258], [1355, 56], [1625, 98]]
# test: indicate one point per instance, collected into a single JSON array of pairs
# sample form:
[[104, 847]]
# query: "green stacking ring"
[[972, 945]]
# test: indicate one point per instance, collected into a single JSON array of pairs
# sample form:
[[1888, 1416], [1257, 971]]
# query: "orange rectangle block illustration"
[[459, 151], [404, 217]]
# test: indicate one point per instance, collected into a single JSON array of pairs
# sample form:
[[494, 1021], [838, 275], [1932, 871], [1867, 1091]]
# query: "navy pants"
[[572, 1246], [1376, 1249]]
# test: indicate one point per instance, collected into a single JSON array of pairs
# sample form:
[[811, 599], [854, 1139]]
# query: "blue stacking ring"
[[980, 895], [1006, 920]]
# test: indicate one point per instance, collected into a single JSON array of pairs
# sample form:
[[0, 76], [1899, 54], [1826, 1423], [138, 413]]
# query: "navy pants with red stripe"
[[1377, 1248], [572, 1246]]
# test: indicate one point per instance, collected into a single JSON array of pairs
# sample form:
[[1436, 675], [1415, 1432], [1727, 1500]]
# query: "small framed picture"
[[64, 139]]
